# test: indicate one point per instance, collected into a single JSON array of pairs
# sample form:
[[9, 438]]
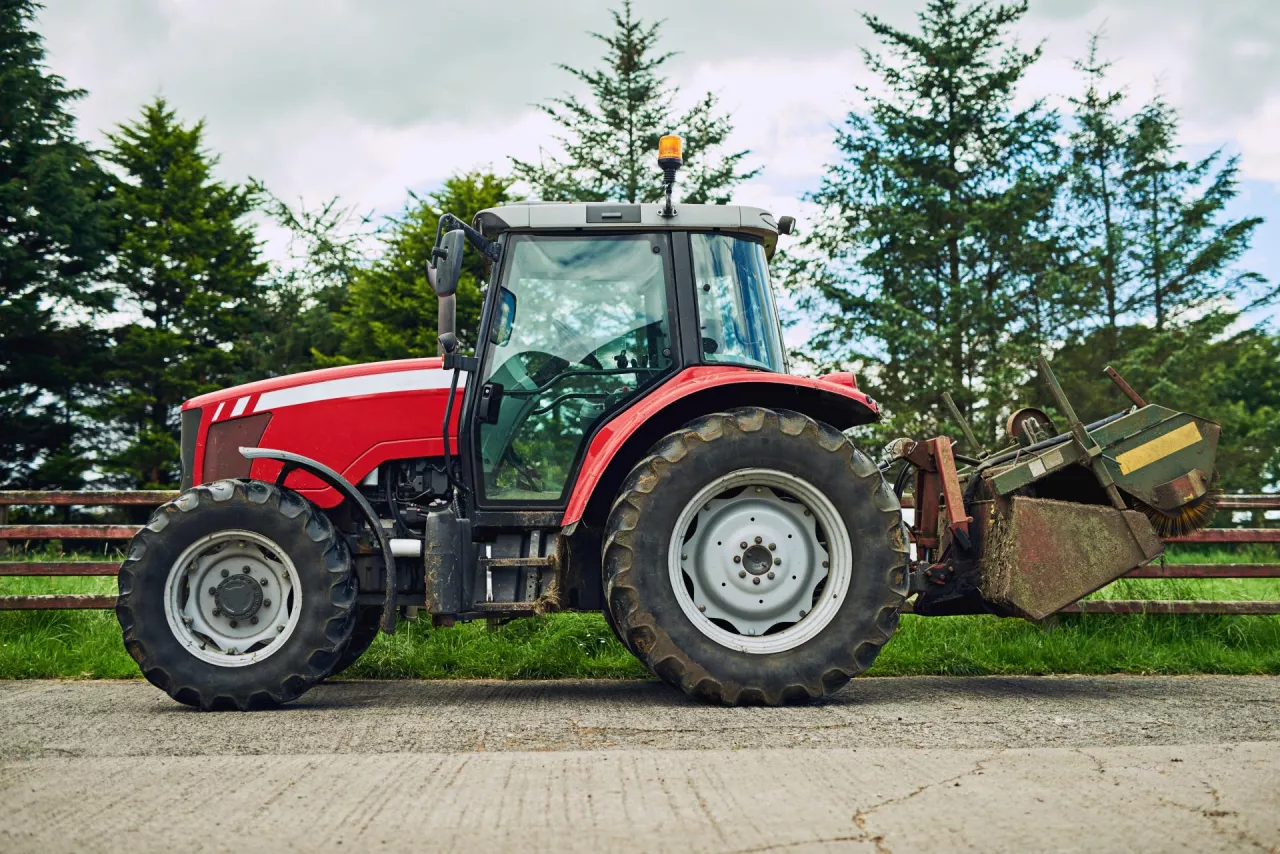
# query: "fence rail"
[[153, 498]]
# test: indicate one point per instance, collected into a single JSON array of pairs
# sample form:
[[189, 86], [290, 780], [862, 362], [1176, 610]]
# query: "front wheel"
[[236, 595], [755, 556]]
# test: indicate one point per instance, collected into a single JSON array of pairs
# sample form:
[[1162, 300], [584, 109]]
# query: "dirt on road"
[[908, 764]]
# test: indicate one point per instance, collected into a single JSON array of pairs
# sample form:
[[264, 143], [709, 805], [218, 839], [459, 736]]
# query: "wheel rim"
[[760, 561], [232, 598]]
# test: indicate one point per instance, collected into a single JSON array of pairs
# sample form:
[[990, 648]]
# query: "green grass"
[[86, 644]]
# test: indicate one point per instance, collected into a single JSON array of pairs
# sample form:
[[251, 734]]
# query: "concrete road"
[[889, 765]]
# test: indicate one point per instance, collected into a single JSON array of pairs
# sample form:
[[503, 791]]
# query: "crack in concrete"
[[861, 815]]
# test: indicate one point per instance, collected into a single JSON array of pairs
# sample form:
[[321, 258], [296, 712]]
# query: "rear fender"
[[622, 442]]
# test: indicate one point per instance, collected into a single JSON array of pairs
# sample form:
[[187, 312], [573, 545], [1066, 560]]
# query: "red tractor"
[[625, 438]]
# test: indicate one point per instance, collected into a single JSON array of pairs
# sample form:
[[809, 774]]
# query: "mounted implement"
[[622, 434], [1031, 529]]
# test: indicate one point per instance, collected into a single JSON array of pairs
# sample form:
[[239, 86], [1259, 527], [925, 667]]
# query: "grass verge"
[[86, 644]]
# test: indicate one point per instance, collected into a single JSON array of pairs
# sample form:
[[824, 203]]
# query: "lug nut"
[[742, 573], [225, 573], [777, 561], [702, 607], [737, 558], [279, 628], [770, 575], [802, 613], [213, 591], [825, 564], [773, 547], [742, 544], [234, 624], [253, 620], [755, 580], [758, 541], [267, 603], [217, 613], [245, 570], [264, 582], [684, 557]]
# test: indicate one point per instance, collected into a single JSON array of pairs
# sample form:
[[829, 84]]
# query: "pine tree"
[[391, 310], [1097, 196], [188, 270], [310, 285], [936, 261], [1183, 245], [610, 138], [53, 238]]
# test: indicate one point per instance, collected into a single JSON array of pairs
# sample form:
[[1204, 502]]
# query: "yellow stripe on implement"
[[1158, 449]]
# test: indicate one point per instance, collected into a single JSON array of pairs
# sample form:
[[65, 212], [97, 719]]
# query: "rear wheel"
[[764, 583], [236, 595]]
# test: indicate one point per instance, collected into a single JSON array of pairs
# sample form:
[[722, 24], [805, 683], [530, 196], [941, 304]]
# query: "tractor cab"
[[583, 315]]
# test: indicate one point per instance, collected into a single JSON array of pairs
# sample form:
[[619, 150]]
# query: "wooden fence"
[[25, 533]]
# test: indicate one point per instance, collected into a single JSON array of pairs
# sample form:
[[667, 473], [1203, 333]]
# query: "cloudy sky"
[[366, 99]]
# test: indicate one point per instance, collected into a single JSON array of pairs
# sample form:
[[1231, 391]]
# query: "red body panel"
[[613, 435], [351, 418], [356, 417]]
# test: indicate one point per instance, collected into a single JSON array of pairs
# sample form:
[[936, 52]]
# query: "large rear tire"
[[236, 595], [755, 557]]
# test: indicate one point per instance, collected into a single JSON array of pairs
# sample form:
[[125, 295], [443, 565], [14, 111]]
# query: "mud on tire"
[[326, 582], [638, 586]]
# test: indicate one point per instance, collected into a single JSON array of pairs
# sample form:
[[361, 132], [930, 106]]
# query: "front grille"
[[222, 457], [190, 429]]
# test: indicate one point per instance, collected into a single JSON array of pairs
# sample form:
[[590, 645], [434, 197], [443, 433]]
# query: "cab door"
[[579, 326]]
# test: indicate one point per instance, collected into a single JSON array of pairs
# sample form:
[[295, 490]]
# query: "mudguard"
[[321, 471], [833, 398]]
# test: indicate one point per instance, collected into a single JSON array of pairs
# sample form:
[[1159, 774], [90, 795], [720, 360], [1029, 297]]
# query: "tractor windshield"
[[735, 306], [580, 327]]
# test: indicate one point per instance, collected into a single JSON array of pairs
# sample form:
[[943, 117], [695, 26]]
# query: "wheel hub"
[[754, 559], [231, 598], [757, 560], [238, 596]]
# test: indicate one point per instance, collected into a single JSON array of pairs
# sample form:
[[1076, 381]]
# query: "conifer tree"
[[188, 269], [1182, 243], [53, 238], [936, 261], [1097, 183], [610, 137], [391, 310]]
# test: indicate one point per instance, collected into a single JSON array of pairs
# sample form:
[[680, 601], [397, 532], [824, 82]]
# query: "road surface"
[[888, 765]]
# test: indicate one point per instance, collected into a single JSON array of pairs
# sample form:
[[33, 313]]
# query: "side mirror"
[[446, 261], [443, 274], [505, 321]]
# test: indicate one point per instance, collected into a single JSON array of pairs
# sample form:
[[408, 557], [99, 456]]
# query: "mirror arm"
[[486, 247]]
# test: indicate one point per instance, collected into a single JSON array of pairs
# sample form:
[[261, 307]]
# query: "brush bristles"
[[1191, 516]]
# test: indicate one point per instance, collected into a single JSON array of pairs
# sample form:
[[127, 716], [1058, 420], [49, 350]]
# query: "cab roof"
[[614, 216]]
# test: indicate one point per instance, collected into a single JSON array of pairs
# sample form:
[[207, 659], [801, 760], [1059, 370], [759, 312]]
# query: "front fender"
[[291, 462], [619, 444]]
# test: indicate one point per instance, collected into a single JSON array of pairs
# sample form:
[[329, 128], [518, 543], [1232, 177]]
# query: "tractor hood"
[[327, 383], [351, 418]]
